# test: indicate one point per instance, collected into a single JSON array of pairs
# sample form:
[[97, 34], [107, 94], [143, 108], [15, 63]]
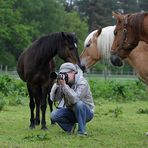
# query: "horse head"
[[69, 50], [90, 54], [125, 39]]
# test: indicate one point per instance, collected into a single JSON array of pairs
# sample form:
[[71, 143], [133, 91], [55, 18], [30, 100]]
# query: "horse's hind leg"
[[32, 106], [38, 97], [44, 106], [37, 118]]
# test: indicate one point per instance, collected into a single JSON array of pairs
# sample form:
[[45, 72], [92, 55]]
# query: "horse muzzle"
[[83, 68], [116, 60]]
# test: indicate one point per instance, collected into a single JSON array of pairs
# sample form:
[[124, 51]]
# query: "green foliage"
[[6, 57], [116, 112], [118, 90], [23, 21], [99, 13], [15, 99], [142, 111], [40, 137], [13, 90], [2, 101]]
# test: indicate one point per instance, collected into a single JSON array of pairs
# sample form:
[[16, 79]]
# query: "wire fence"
[[104, 74]]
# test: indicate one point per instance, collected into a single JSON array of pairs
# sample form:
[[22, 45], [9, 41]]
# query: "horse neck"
[[145, 35], [44, 49], [139, 22], [138, 55], [105, 41]]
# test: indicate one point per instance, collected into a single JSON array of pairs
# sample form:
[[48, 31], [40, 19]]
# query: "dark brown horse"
[[130, 29], [35, 65]]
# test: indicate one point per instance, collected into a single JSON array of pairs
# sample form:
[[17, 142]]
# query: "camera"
[[59, 76]]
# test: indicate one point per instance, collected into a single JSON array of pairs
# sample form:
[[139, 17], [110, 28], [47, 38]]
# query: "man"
[[77, 99]]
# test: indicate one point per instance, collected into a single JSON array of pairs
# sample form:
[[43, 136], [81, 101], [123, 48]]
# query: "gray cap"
[[67, 67]]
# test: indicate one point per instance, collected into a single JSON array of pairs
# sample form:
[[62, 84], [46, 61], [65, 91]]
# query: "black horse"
[[35, 65]]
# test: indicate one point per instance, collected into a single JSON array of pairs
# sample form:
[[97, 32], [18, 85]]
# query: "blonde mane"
[[104, 41]]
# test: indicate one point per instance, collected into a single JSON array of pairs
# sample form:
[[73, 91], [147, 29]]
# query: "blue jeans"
[[67, 117]]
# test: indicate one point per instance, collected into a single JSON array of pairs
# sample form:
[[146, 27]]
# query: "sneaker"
[[146, 134], [82, 134]]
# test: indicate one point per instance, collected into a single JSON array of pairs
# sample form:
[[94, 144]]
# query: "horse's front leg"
[[51, 81], [43, 108]]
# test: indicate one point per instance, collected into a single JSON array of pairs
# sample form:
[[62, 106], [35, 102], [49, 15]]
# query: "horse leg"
[[32, 106], [37, 118], [38, 97], [44, 106]]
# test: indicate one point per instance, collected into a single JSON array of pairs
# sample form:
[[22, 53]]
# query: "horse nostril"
[[116, 60], [83, 68]]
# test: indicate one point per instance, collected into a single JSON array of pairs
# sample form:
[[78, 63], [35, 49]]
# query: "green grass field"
[[115, 125]]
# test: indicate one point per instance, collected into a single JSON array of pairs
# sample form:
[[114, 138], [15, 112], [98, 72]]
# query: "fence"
[[104, 74]]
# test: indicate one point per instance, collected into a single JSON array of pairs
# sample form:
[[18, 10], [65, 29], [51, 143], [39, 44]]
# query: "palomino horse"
[[98, 44], [35, 65], [130, 29]]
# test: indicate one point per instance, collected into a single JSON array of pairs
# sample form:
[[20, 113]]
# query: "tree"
[[13, 34], [23, 21]]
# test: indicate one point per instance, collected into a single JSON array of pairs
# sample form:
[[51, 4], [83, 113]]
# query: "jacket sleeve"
[[75, 95]]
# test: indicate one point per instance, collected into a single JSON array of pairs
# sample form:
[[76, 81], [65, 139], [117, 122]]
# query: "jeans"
[[67, 117]]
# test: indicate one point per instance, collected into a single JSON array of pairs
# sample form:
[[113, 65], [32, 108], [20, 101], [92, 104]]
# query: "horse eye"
[[88, 45], [115, 32], [124, 30]]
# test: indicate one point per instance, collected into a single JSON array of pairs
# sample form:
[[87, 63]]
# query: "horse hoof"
[[32, 127], [44, 128]]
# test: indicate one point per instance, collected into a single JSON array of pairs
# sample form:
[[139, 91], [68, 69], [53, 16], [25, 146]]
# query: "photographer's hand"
[[61, 81]]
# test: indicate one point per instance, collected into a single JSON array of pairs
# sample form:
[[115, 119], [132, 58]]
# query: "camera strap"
[[57, 105]]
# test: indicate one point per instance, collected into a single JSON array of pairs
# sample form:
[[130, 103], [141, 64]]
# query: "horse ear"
[[117, 15], [99, 31]]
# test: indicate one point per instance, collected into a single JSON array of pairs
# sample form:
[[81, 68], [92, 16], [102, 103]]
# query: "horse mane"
[[43, 49], [136, 21], [104, 41]]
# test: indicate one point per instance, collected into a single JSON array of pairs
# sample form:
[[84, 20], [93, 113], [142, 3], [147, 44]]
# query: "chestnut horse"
[[130, 29], [98, 45], [36, 63]]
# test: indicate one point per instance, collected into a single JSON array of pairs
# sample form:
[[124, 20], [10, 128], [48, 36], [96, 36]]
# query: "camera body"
[[59, 76]]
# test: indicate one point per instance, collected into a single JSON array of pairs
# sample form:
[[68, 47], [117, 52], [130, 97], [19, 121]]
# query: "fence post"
[[6, 69], [1, 67]]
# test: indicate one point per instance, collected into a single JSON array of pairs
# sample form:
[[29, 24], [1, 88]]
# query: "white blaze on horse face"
[[75, 45]]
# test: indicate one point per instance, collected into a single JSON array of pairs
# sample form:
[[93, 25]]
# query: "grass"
[[106, 130]]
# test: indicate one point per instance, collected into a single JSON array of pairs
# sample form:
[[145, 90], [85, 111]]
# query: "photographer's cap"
[[67, 67]]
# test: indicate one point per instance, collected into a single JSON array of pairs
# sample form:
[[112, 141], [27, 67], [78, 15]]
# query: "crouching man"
[[78, 107]]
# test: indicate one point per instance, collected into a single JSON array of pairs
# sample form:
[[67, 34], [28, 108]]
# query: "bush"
[[2, 101], [118, 90], [12, 90]]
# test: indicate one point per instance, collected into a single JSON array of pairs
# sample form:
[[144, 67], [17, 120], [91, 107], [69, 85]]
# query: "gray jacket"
[[79, 91]]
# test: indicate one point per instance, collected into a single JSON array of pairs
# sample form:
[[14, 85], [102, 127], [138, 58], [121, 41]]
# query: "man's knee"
[[53, 115], [79, 105]]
